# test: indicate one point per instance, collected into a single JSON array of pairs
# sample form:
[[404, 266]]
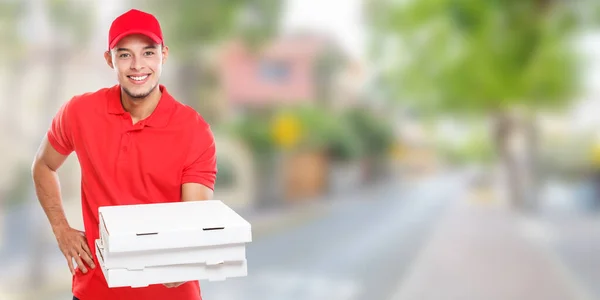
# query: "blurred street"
[[361, 249]]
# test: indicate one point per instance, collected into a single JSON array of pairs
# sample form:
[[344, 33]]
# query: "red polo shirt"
[[122, 163]]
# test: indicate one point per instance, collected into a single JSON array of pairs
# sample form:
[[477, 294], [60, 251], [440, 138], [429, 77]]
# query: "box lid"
[[172, 225]]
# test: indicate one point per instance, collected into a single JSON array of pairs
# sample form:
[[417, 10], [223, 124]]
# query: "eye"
[[149, 53], [123, 55]]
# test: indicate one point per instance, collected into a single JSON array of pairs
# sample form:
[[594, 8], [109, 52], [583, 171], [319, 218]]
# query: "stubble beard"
[[139, 96]]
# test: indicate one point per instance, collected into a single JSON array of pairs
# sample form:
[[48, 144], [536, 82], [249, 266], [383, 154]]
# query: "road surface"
[[361, 249]]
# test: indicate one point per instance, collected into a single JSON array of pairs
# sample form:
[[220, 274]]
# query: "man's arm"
[[44, 172], [47, 186], [200, 170], [195, 192]]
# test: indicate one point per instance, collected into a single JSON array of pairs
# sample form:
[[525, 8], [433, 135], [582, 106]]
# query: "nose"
[[135, 64]]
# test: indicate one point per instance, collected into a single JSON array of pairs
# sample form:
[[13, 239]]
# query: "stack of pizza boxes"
[[146, 244]]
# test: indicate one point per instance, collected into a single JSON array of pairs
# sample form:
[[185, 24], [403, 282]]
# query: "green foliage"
[[10, 13], [189, 25], [255, 131], [226, 176], [73, 18], [327, 130], [473, 56], [345, 144], [478, 148], [345, 136], [318, 126], [376, 133], [259, 21]]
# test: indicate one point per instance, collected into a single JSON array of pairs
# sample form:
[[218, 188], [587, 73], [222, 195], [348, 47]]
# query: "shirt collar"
[[160, 116]]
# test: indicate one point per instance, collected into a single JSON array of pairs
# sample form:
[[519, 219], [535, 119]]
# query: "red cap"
[[134, 22]]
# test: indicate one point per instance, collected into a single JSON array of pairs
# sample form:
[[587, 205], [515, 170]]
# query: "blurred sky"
[[347, 26], [586, 112]]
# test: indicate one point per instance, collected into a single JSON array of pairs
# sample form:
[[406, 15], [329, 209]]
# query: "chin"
[[139, 92]]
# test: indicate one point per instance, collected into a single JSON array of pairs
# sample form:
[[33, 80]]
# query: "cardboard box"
[[148, 244], [169, 273], [162, 226], [136, 260]]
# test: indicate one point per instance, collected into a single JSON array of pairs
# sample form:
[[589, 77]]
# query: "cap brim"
[[149, 34]]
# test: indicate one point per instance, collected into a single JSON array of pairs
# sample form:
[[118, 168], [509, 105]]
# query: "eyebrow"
[[145, 48]]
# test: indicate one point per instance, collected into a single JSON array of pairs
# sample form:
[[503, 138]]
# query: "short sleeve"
[[201, 162], [60, 131]]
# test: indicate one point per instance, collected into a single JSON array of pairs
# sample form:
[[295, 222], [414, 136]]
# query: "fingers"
[[79, 262], [70, 263], [173, 284], [73, 245], [87, 255]]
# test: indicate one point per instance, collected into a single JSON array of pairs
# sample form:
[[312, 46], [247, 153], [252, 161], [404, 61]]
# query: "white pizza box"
[[169, 273], [175, 225], [211, 255]]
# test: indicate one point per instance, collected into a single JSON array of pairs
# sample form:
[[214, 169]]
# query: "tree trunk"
[[503, 130], [532, 186]]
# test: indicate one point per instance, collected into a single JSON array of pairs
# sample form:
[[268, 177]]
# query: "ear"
[[108, 58], [165, 53]]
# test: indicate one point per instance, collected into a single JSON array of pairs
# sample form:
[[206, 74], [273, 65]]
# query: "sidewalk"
[[481, 251]]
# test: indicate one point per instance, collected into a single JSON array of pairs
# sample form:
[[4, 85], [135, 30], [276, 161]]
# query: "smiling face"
[[138, 61]]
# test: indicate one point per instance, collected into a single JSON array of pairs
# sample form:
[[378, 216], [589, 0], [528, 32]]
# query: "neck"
[[140, 108]]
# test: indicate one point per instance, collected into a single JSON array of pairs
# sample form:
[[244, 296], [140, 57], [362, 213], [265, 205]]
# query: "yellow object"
[[398, 151], [596, 155], [286, 130]]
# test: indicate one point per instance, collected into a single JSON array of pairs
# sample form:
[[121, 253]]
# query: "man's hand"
[[173, 284], [73, 245]]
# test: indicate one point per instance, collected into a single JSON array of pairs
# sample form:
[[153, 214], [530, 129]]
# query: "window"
[[273, 71]]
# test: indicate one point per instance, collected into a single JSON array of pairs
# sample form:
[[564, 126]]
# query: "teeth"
[[138, 78]]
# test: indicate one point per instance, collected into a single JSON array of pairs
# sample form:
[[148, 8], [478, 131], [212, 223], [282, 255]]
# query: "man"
[[135, 144]]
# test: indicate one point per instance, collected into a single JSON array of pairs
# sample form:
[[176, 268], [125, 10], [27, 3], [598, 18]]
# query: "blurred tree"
[[71, 24], [473, 57], [193, 28], [12, 56]]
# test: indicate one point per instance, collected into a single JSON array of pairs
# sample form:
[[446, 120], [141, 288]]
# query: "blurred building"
[[296, 69]]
